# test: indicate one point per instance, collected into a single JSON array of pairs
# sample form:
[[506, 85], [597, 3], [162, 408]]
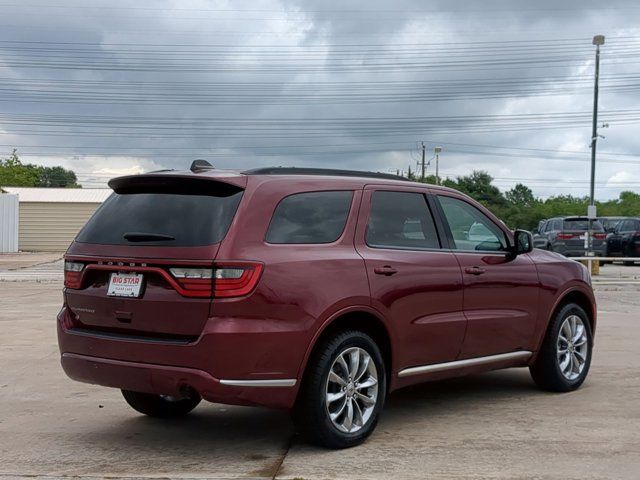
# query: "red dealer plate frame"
[[125, 284]]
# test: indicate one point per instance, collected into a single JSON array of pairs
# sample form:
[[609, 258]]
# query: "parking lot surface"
[[495, 425]]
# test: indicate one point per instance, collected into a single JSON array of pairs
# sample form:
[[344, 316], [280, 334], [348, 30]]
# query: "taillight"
[[73, 274], [600, 236], [223, 281], [235, 280], [196, 282], [565, 236]]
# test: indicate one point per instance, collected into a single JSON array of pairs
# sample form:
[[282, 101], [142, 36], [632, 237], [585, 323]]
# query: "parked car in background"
[[318, 291], [624, 241], [609, 223], [565, 235]]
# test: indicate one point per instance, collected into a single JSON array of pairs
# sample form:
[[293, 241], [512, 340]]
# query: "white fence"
[[8, 223], [603, 279]]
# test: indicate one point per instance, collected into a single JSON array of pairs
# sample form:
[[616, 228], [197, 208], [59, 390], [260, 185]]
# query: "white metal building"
[[49, 218], [8, 223]]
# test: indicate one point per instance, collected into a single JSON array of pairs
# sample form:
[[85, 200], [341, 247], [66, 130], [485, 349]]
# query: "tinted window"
[[628, 226], [311, 217], [581, 225], [471, 229], [400, 220], [185, 220], [610, 224]]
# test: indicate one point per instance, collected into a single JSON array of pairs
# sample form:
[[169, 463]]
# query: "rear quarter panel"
[[301, 286]]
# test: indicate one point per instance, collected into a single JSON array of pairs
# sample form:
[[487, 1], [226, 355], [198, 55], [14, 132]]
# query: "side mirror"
[[523, 242]]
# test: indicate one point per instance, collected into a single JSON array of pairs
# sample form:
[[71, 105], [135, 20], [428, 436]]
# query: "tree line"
[[517, 207], [14, 173], [520, 208]]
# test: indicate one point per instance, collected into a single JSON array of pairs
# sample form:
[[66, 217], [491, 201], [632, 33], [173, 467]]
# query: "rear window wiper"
[[146, 237]]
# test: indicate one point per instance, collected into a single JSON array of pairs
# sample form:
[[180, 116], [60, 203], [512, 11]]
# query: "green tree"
[[57, 177], [14, 173], [479, 186], [520, 195]]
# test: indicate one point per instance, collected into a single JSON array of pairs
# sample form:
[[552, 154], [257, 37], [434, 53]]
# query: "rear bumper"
[[233, 367], [168, 380]]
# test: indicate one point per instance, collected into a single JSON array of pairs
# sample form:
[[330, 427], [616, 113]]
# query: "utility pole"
[[423, 164], [591, 213], [437, 151]]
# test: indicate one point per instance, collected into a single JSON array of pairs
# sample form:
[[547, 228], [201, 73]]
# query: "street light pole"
[[597, 41], [423, 164], [437, 151]]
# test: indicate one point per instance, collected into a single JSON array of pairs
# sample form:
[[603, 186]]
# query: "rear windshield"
[[581, 225], [168, 219]]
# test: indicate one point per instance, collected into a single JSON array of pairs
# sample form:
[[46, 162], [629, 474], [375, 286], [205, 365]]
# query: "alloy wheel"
[[351, 390], [572, 347]]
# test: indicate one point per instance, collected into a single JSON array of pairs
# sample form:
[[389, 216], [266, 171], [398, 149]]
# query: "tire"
[[552, 370], [160, 406], [314, 407]]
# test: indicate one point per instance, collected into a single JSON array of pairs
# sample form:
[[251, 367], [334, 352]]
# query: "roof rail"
[[321, 171], [200, 165]]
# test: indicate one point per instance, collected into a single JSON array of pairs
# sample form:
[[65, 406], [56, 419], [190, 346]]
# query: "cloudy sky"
[[118, 87]]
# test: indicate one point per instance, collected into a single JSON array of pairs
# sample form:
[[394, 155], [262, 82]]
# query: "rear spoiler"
[[185, 184]]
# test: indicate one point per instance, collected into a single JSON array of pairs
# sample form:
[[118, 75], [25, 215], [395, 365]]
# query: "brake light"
[[73, 274], [196, 282], [565, 236], [235, 279], [600, 236], [223, 281]]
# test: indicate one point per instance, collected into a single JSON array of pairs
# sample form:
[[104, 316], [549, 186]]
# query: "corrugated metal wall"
[[51, 227], [8, 223]]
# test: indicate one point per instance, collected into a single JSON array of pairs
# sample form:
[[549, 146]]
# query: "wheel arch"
[[583, 300], [360, 318]]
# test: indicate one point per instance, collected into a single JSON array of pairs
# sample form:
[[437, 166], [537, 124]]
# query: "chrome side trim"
[[468, 362], [285, 382]]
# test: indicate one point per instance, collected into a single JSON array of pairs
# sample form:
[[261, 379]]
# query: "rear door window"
[[627, 226], [310, 217], [401, 220], [176, 219]]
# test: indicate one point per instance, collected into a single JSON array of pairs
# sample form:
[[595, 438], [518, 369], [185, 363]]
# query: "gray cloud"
[[106, 87]]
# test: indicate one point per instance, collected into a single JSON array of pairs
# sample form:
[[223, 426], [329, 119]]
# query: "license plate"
[[125, 285]]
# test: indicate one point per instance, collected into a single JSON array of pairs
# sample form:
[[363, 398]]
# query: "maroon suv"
[[313, 290]]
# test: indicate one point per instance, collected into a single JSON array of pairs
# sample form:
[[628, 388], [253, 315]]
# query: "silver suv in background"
[[565, 235]]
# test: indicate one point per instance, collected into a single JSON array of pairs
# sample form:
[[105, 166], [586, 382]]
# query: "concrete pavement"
[[496, 425]]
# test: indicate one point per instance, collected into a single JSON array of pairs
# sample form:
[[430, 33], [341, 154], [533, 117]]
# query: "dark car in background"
[[610, 223], [624, 241], [565, 235]]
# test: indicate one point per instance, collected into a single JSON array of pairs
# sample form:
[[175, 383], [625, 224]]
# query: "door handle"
[[386, 270], [474, 270]]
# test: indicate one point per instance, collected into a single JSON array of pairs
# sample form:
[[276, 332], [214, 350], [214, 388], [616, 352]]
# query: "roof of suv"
[[238, 178], [322, 172]]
